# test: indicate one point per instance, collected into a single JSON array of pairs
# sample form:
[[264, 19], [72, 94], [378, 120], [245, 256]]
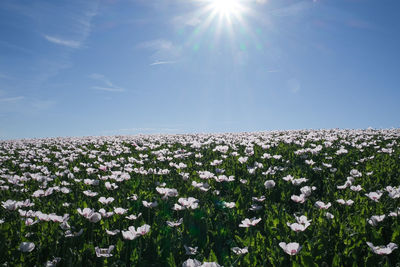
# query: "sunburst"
[[226, 8]]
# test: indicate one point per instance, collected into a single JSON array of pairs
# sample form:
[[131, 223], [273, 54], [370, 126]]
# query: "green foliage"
[[212, 227]]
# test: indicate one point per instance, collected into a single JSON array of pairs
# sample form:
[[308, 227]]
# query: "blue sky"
[[108, 67]]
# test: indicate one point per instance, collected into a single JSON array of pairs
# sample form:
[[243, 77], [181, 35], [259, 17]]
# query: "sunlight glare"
[[226, 7]]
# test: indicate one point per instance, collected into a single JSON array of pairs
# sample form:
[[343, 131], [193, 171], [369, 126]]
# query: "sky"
[[121, 67]]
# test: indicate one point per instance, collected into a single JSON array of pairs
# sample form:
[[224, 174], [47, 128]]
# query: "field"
[[282, 198]]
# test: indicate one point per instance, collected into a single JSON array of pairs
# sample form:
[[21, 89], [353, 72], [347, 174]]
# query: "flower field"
[[282, 198]]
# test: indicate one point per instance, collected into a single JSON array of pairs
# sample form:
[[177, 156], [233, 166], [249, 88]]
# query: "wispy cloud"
[[11, 99], [162, 63], [272, 71], [16, 47], [163, 50], [293, 9], [40, 104], [108, 85], [361, 24], [108, 89], [189, 19], [68, 43]]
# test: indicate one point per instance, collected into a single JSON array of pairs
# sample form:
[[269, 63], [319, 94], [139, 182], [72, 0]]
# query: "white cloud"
[[108, 89], [261, 1], [11, 99], [190, 19], [295, 9], [162, 63], [163, 50], [109, 86], [158, 44], [272, 71], [68, 43], [42, 104]]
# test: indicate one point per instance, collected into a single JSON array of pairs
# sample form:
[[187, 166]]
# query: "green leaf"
[[212, 257], [336, 260], [308, 261], [171, 260]]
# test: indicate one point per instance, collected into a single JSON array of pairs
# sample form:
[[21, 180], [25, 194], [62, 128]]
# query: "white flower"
[[167, 192], [329, 215], [149, 204], [190, 250], [299, 199], [85, 212], [202, 186], [95, 217], [229, 204], [303, 220], [144, 229], [240, 251], [53, 262], [91, 182], [130, 234], [355, 173], [269, 184], [288, 178], [255, 207], [322, 205], [106, 214], [69, 233], [307, 190], [133, 217], [382, 250], [375, 196], [249, 222], [356, 188], [297, 227], [120, 211], [133, 197], [345, 202], [189, 202], [56, 218], [106, 201], [290, 248], [10, 204], [29, 222], [210, 264], [27, 246], [310, 162], [191, 263], [178, 207], [110, 186], [374, 220], [224, 178], [299, 181], [175, 224], [301, 225], [104, 252], [242, 159], [113, 232]]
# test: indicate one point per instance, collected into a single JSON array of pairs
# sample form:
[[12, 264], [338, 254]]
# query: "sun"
[[226, 7]]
